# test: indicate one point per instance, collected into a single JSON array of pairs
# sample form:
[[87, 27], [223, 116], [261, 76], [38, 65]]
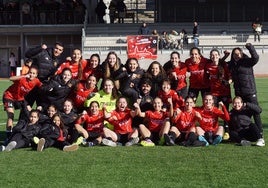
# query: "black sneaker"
[[198, 143], [168, 140]]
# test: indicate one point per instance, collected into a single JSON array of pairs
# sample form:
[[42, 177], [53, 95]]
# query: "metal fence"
[[41, 17]]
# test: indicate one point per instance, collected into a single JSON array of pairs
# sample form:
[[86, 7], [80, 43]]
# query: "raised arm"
[[138, 110]]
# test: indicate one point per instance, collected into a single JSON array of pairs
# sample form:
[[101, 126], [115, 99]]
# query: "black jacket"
[[69, 119], [49, 130], [44, 60], [243, 74], [241, 119], [126, 80], [55, 92], [28, 131]]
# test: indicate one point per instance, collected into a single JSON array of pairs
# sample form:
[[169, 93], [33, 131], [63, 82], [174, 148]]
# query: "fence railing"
[[41, 17], [206, 43]]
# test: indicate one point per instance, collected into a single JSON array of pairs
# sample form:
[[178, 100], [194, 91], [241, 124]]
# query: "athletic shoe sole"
[[72, 147], [41, 144], [11, 146]]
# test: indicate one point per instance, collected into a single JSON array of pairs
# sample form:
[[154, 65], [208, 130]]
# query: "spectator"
[[173, 39], [163, 41], [144, 29], [257, 28], [183, 38], [79, 9], [12, 64], [112, 9], [100, 11], [121, 9], [196, 34], [26, 13], [12, 9]]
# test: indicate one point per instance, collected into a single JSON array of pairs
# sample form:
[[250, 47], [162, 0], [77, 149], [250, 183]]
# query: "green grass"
[[225, 165]]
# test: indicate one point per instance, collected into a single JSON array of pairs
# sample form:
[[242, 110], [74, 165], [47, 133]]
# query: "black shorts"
[[155, 137], [181, 138], [93, 135], [122, 138], [8, 103]]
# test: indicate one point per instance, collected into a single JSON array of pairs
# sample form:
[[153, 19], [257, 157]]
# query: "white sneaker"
[[41, 144], [2, 148], [11, 146], [108, 142], [260, 142]]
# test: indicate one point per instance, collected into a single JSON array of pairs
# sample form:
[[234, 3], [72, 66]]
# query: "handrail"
[[41, 17], [104, 44]]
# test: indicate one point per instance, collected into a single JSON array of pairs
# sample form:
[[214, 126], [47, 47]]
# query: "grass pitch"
[[225, 165]]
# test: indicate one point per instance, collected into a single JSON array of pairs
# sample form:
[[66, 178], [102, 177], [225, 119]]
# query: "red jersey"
[[81, 94], [122, 121], [185, 120], [73, 66], [198, 78], [20, 88], [177, 100], [61, 138], [181, 76], [89, 71], [92, 123], [209, 120], [219, 83], [156, 120]]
